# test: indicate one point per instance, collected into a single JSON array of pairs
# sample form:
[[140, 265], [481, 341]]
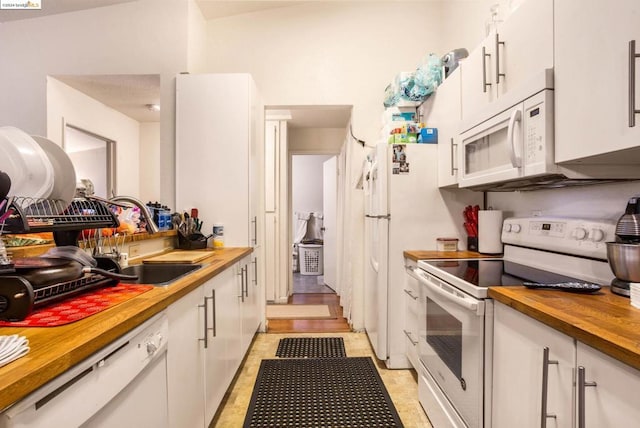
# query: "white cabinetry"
[[584, 387], [211, 329], [219, 132], [519, 364], [412, 309], [520, 48], [613, 401], [443, 111], [592, 80]]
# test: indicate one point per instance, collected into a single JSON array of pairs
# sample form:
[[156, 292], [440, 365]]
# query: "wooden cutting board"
[[180, 257]]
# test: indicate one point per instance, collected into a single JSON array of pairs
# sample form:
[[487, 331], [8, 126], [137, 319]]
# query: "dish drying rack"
[[19, 215]]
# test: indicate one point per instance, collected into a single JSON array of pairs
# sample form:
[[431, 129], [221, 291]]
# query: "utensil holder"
[[193, 241], [472, 243]]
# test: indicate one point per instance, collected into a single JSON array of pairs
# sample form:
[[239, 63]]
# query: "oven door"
[[451, 344]]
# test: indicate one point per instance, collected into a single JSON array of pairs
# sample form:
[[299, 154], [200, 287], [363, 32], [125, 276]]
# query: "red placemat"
[[79, 307]]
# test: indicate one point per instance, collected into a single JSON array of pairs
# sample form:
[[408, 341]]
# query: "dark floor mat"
[[311, 347], [331, 392]]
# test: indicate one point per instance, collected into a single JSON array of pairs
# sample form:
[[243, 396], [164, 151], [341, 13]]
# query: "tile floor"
[[400, 384], [309, 284]]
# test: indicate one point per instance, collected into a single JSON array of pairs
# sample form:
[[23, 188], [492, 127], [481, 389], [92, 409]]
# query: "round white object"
[[64, 174], [26, 163]]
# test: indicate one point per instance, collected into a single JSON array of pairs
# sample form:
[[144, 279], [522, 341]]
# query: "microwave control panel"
[[537, 122]]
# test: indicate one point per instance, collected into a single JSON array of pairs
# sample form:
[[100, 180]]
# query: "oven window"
[[444, 335]]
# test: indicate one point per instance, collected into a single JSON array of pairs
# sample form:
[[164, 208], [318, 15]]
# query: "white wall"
[[307, 183], [75, 108], [139, 37], [316, 140], [149, 162], [606, 201], [338, 53]]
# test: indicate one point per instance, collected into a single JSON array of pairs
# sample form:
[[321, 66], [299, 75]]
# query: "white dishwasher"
[[122, 385]]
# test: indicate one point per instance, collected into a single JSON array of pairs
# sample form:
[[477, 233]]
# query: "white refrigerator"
[[404, 210]]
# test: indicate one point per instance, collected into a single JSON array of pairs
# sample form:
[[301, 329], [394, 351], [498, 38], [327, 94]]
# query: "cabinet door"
[[476, 85], [592, 79], [523, 45], [518, 350], [185, 361], [447, 109], [412, 320], [250, 312], [213, 130], [614, 401]]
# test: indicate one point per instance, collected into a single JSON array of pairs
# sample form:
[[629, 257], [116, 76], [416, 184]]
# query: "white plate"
[[26, 163], [64, 174]]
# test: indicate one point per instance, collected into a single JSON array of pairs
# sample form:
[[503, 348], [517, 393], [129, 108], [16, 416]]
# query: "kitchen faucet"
[[152, 227]]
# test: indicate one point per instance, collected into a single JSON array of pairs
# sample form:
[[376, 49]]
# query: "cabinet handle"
[[410, 338], [582, 384], [453, 168], [246, 281], [213, 306], [241, 273], [632, 83], [255, 230], [484, 69], [410, 294], [545, 384], [498, 74], [206, 327], [255, 271]]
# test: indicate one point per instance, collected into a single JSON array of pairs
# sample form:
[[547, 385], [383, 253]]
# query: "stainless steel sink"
[[159, 275]]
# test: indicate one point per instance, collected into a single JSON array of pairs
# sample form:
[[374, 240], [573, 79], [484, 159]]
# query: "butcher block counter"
[[56, 349], [602, 320], [416, 255]]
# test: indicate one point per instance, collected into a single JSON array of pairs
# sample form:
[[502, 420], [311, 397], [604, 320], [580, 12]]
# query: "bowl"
[[26, 163], [624, 260]]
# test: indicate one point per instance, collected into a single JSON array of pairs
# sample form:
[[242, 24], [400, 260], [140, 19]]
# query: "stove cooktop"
[[483, 273]]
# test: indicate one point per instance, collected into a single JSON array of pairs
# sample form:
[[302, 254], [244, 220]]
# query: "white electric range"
[[456, 333]]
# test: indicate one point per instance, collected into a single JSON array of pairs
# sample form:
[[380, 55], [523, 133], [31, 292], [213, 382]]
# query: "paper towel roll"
[[489, 231]]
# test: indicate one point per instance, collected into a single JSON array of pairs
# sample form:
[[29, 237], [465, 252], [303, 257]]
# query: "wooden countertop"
[[602, 320], [416, 255], [56, 349]]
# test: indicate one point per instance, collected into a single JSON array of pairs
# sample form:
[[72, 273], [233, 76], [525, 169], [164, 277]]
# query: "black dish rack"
[[18, 297]]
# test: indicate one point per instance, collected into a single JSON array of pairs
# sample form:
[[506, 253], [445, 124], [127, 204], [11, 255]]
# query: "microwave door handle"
[[461, 301], [516, 116]]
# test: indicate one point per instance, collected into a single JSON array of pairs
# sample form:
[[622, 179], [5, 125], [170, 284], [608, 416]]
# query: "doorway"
[[309, 202]]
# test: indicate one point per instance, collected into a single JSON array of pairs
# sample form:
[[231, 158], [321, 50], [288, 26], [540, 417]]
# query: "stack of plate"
[[38, 167], [635, 294]]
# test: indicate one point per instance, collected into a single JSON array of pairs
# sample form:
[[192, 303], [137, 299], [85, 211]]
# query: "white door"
[[329, 197]]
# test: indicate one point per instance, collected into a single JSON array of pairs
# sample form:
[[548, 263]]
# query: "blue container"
[[428, 136]]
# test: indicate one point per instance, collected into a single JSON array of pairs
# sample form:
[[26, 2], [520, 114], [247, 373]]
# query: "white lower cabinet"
[[519, 344], [540, 371], [207, 345], [614, 400], [412, 310]]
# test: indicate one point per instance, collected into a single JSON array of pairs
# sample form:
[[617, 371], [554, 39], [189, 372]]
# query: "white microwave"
[[512, 145]]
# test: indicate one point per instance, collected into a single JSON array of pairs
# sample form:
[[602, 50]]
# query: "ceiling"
[[130, 94]]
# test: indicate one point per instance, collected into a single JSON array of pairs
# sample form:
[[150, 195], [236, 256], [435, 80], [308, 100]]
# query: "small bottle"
[[218, 235]]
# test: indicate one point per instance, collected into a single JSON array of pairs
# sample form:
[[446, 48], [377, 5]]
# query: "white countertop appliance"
[[456, 337]]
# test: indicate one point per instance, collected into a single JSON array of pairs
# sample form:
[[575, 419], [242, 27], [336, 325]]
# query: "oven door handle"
[[466, 302]]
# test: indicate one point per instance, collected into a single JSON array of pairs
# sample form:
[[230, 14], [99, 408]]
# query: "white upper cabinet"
[[443, 111], [518, 50], [593, 81]]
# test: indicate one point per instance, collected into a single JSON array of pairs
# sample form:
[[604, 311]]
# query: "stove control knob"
[[597, 235], [580, 234], [151, 348], [507, 227], [516, 228]]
